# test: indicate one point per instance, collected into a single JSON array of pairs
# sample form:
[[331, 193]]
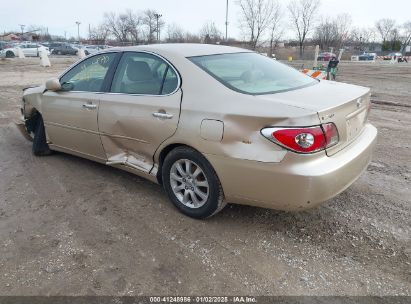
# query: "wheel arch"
[[170, 147], [162, 156], [10, 54]]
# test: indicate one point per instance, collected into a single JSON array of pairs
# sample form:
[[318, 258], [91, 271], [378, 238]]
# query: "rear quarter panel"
[[243, 117]]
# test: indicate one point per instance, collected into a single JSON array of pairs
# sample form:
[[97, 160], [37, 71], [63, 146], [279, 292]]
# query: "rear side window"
[[145, 74]]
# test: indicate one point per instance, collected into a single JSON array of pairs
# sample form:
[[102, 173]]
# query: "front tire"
[[192, 184], [40, 146], [10, 54]]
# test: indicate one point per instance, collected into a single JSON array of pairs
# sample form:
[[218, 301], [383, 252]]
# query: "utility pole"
[[360, 43], [78, 30], [22, 29], [158, 16], [226, 21]]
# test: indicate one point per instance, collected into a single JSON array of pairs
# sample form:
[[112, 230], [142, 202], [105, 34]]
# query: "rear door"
[[31, 50], [140, 111]]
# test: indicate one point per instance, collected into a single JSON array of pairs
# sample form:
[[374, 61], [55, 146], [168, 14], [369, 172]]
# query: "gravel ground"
[[69, 226]]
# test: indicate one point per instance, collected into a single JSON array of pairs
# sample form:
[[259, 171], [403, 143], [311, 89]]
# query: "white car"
[[90, 49], [7, 53], [31, 49]]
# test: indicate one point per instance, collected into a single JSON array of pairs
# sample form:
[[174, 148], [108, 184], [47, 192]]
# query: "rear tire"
[[9, 54], [40, 146], [192, 184]]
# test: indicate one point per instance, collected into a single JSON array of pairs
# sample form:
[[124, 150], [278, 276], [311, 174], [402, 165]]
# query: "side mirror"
[[53, 84]]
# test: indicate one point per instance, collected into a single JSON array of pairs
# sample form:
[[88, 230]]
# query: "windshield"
[[251, 73]]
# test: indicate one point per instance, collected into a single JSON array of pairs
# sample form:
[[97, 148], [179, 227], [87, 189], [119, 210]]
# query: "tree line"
[[263, 23]]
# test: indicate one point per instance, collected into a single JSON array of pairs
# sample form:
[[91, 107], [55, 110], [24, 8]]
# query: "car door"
[[23, 48], [70, 115], [140, 111], [30, 50]]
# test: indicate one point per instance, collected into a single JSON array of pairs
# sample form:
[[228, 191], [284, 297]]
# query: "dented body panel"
[[129, 130], [222, 124]]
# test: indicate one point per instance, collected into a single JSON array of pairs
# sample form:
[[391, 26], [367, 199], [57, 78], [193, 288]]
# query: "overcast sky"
[[60, 16]]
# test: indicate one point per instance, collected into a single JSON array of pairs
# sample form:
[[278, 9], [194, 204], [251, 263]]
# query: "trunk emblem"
[[359, 103]]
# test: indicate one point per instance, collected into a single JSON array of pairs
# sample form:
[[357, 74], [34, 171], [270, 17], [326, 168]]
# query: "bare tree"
[[385, 27], [99, 33], [149, 19], [118, 26], [255, 19], [405, 35], [209, 33], [38, 32], [333, 32], [175, 33], [134, 25], [302, 14], [343, 23], [362, 35], [326, 33], [275, 28], [192, 38]]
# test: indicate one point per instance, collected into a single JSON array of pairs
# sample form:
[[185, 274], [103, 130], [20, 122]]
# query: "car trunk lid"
[[343, 104]]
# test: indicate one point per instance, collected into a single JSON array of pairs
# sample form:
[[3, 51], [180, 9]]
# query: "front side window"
[[251, 73], [88, 75], [145, 74]]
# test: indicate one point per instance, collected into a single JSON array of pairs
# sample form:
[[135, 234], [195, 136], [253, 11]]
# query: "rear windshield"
[[252, 73]]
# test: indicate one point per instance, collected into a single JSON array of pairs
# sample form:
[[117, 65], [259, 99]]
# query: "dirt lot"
[[69, 226]]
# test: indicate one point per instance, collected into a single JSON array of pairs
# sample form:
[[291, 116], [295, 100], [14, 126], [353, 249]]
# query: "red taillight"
[[331, 134], [304, 140]]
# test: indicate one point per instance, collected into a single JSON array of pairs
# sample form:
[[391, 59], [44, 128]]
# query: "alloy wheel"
[[189, 183]]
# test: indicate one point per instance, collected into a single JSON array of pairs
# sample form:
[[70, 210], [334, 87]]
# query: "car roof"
[[183, 49]]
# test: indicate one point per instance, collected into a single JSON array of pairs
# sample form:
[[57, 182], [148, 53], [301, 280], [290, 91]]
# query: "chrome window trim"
[[114, 93], [139, 95], [130, 94]]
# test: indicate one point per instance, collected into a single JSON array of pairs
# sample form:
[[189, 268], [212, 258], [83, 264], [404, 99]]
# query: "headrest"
[[138, 71]]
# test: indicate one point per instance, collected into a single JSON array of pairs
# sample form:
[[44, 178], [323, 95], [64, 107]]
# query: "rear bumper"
[[297, 182]]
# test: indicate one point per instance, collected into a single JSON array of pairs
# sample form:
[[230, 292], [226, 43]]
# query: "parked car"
[[326, 56], [90, 49], [64, 49], [31, 49], [6, 50], [391, 55], [367, 56], [248, 129]]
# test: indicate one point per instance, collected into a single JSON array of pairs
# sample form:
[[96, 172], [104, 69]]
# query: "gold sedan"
[[212, 124]]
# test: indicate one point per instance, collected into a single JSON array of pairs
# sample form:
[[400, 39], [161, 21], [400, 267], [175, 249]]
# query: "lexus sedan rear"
[[212, 124]]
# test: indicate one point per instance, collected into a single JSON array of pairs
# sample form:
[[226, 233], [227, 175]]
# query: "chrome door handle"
[[89, 106], [163, 115]]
